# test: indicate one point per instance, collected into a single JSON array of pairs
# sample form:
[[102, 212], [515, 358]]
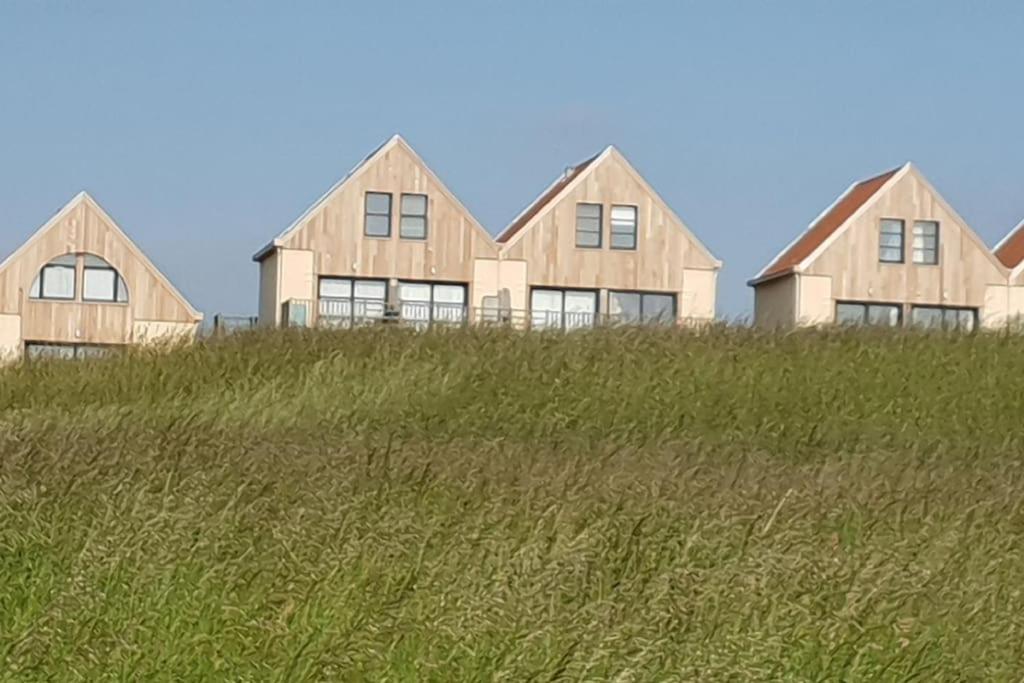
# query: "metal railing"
[[348, 313], [228, 324]]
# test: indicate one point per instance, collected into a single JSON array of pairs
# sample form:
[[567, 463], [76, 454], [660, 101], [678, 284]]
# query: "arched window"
[[56, 280], [100, 281]]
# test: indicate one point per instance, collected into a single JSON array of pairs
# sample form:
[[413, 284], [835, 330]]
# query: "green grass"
[[482, 505]]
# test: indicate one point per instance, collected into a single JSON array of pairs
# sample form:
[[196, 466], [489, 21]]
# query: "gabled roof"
[[545, 198], [1010, 250], [834, 217], [393, 141], [84, 197], [572, 177]]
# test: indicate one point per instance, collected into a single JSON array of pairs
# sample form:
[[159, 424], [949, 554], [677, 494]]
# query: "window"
[[100, 282], [344, 301], [378, 214], [412, 225], [642, 308], [588, 226], [890, 242], [56, 280], [424, 302], [562, 309], [879, 315], [623, 227], [944, 318], [37, 351], [926, 243]]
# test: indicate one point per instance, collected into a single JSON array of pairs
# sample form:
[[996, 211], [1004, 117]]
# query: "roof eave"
[[761, 279], [267, 249]]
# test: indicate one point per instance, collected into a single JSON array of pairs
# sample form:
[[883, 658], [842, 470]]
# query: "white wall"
[[10, 337]]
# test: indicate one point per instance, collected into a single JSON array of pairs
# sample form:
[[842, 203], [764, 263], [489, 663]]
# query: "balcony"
[[347, 314]]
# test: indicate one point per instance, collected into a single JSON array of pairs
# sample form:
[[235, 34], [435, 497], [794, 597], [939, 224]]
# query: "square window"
[[883, 315], [625, 307], [57, 282], [659, 309], [850, 314], [99, 284]]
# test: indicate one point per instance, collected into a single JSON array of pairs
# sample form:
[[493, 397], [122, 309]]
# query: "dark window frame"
[[42, 283], [636, 227], [866, 317], [975, 316], [118, 281], [903, 240], [402, 214], [433, 283], [562, 313], [600, 226], [367, 213], [643, 294], [914, 249]]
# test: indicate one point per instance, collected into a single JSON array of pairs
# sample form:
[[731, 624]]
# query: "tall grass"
[[486, 505]]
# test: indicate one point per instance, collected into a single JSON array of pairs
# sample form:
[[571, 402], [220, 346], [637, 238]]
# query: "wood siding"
[[965, 269], [775, 303], [665, 247], [334, 230], [83, 228]]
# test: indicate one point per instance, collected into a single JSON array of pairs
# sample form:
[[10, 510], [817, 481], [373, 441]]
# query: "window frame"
[[903, 241], [643, 295], [351, 299], [600, 226], [865, 319], [402, 215], [913, 248], [562, 291], [118, 282], [432, 303], [41, 275], [636, 227], [945, 310], [367, 213]]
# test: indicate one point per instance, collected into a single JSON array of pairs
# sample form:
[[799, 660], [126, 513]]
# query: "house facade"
[[891, 252], [389, 240], [601, 244], [79, 286], [1010, 252]]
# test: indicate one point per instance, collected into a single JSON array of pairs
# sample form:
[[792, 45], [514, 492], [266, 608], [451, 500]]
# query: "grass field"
[[480, 505]]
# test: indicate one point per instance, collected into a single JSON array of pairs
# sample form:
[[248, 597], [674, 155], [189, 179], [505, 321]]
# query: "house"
[[890, 251], [600, 244], [1010, 252], [80, 286], [389, 240]]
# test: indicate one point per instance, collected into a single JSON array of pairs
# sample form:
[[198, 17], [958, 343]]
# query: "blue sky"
[[205, 128]]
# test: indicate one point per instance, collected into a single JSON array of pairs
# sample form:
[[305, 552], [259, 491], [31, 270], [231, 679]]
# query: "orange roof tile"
[[1010, 251], [824, 227]]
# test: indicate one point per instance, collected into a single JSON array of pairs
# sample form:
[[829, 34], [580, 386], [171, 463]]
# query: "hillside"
[[486, 505]]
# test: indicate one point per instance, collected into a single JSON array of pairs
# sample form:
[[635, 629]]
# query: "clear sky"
[[206, 127]]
